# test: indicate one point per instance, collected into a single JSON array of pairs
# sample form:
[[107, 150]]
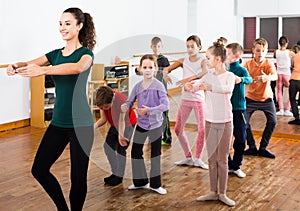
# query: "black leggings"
[[52, 146]]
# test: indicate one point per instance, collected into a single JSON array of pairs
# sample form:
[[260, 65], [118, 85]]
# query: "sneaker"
[[133, 187], [159, 190], [223, 198], [280, 113], [208, 197], [251, 151], [239, 173], [199, 163], [288, 113], [265, 153], [294, 122], [164, 143], [106, 179], [115, 181], [185, 162]]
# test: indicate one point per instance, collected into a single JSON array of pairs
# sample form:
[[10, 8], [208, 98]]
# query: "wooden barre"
[[3, 65]]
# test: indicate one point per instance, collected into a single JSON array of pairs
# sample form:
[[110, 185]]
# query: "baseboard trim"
[[14, 125]]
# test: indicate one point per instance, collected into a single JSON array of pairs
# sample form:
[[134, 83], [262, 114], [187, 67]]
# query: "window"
[[291, 29], [271, 29], [249, 32]]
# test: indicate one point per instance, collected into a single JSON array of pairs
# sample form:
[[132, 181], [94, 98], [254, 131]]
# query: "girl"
[[194, 67], [283, 60], [72, 121], [152, 101], [218, 87]]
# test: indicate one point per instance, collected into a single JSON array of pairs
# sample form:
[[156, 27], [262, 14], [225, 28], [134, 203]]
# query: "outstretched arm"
[[196, 76], [176, 64], [34, 68]]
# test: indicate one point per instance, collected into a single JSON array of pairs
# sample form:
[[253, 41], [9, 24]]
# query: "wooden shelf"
[[98, 79], [37, 101]]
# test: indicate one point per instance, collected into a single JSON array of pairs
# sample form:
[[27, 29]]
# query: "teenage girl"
[[194, 66]]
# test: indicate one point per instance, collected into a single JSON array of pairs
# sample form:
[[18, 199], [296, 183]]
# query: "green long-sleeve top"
[[238, 100]]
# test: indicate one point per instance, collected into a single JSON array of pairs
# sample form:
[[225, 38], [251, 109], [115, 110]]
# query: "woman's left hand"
[[30, 70]]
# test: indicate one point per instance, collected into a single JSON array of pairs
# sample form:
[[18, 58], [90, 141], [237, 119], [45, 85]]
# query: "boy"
[[259, 97], [238, 101], [162, 62], [109, 102]]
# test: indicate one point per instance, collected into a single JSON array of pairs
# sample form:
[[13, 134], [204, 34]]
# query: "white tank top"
[[191, 69], [283, 61]]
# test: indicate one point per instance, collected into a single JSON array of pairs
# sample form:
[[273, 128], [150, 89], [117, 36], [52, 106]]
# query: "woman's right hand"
[[11, 69]]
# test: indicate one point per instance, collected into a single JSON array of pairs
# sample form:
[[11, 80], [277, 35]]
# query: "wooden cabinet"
[[38, 103]]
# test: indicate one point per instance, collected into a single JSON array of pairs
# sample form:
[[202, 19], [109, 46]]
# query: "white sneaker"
[[280, 113], [132, 187], [239, 173], [185, 162], [159, 190], [288, 113], [198, 162]]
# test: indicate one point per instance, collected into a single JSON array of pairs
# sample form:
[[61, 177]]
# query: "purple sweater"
[[155, 98]]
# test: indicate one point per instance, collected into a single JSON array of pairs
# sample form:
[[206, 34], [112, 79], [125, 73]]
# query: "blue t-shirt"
[[71, 107]]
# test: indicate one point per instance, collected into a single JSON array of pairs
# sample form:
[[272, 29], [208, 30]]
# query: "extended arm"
[[37, 67]]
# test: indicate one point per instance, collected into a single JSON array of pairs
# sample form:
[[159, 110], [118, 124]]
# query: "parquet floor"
[[271, 184]]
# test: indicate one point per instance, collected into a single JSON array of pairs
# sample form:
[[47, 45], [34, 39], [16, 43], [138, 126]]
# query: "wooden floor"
[[271, 184]]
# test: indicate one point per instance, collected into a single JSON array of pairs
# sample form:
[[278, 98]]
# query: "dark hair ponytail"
[[87, 34]]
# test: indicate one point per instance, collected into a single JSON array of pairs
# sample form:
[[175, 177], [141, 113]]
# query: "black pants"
[[269, 110], [139, 173], [115, 153], [52, 146], [293, 90], [167, 136], [239, 143]]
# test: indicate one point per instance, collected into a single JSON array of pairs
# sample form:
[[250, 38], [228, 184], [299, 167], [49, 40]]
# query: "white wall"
[[30, 29], [124, 27]]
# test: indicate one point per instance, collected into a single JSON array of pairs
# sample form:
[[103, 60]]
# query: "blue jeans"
[[239, 143], [268, 107]]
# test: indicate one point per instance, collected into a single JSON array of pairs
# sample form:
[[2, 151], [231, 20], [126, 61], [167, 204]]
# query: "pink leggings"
[[283, 80], [184, 111]]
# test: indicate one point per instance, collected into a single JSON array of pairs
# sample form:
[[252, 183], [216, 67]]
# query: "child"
[[109, 102], [162, 62], [238, 101], [194, 66], [295, 86], [283, 60], [259, 97], [218, 87], [152, 101]]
